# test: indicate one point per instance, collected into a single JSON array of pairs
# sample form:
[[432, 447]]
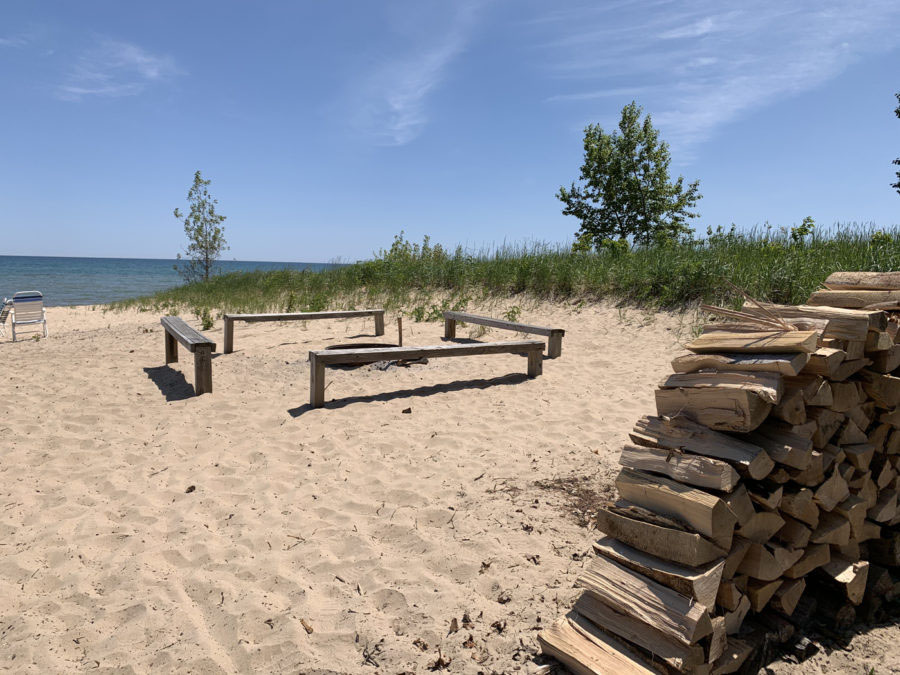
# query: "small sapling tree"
[[625, 191], [205, 233]]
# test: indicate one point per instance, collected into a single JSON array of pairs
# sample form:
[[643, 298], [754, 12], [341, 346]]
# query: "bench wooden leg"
[[379, 323], [449, 329], [171, 349], [203, 370], [316, 382], [535, 363], [554, 346], [229, 336]]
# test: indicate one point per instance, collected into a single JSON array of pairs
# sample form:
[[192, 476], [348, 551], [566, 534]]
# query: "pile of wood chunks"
[[762, 494]]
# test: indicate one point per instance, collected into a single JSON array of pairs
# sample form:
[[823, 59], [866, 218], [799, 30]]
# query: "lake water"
[[92, 281]]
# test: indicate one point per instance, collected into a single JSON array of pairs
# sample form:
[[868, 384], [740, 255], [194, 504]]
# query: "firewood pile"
[[762, 494]]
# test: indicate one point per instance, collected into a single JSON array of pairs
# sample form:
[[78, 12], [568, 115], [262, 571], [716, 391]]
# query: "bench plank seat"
[[229, 320], [555, 335], [319, 359], [177, 331]]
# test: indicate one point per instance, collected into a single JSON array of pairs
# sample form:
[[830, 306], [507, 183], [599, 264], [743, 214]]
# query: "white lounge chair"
[[5, 308], [28, 309]]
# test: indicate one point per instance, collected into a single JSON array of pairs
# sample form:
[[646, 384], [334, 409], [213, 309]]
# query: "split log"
[[760, 592], [863, 281], [832, 529], [883, 389], [886, 551], [850, 367], [723, 409], [850, 576], [792, 408], [845, 395], [736, 653], [736, 555], [768, 562], [705, 513], [878, 341], [768, 386], [784, 447], [801, 506], [586, 650], [832, 491], [860, 455], [681, 433], [825, 361], [785, 364], [853, 509], [761, 527], [788, 595], [728, 595], [740, 505], [759, 342], [674, 652], [733, 620], [886, 361], [686, 468], [885, 508], [815, 555], [793, 533], [828, 423], [663, 539], [659, 607], [850, 434], [856, 299], [699, 583]]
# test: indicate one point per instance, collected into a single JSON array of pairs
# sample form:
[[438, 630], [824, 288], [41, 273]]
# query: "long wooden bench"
[[298, 316], [194, 341], [554, 335], [319, 359]]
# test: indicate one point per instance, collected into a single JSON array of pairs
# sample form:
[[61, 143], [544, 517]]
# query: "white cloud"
[[702, 64], [113, 69], [393, 110]]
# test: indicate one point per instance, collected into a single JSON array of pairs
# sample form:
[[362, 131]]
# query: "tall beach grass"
[[423, 279]]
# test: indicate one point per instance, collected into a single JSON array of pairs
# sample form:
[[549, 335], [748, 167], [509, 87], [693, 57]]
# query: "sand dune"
[[144, 529]]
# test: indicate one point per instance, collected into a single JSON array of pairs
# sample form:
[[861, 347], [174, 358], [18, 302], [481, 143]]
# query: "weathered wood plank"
[[863, 281], [663, 541], [686, 468], [632, 594], [768, 386], [853, 299], [585, 650], [704, 512], [759, 342], [784, 364], [700, 583], [719, 408], [230, 319], [555, 335], [681, 433]]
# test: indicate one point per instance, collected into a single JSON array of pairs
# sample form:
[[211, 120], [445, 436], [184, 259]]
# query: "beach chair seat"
[[28, 310]]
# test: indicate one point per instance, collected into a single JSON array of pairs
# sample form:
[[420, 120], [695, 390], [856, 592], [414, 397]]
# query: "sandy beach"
[[423, 517]]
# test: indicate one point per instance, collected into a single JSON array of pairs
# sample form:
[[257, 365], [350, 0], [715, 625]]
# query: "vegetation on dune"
[[775, 264]]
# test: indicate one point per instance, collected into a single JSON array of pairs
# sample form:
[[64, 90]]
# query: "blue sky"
[[327, 127]]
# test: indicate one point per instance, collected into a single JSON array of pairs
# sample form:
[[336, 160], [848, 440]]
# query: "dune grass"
[[424, 279]]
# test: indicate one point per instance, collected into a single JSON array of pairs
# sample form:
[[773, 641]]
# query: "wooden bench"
[[194, 341], [554, 335], [298, 316], [319, 359]]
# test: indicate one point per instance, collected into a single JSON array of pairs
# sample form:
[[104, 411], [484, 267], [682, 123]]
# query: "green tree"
[[205, 233], [896, 185], [625, 189]]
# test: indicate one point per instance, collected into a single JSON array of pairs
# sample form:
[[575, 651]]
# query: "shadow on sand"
[[171, 383], [459, 385]]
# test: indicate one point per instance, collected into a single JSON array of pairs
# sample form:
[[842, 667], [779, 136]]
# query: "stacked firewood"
[[762, 493]]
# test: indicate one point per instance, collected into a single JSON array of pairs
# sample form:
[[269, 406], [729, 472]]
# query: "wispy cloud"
[[13, 41], [394, 110], [701, 64], [113, 69]]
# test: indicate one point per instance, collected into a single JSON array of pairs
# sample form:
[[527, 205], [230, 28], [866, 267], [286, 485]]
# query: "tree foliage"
[[205, 233], [625, 190], [896, 185]]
